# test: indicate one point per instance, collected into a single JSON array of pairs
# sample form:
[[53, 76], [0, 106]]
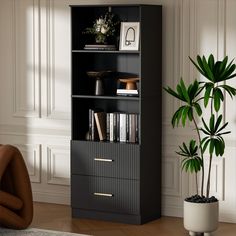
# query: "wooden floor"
[[58, 217]]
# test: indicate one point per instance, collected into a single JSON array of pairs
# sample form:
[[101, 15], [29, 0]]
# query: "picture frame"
[[129, 36]]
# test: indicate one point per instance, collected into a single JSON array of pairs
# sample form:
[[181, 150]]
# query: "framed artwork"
[[129, 36]]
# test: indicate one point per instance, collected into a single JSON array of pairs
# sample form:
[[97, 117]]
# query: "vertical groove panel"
[[125, 158], [125, 194]]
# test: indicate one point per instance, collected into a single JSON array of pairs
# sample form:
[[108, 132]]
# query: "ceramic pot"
[[201, 217]]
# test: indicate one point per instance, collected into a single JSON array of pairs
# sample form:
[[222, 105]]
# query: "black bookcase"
[[117, 181]]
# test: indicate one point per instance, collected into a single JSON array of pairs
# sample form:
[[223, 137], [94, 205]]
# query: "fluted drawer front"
[[105, 159], [105, 194]]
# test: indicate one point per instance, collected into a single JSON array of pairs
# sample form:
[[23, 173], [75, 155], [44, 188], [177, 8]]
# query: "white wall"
[[35, 91]]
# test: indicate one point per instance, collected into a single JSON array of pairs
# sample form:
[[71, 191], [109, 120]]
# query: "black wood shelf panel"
[[106, 51], [106, 97]]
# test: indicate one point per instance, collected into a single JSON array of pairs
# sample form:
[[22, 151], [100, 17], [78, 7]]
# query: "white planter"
[[201, 217]]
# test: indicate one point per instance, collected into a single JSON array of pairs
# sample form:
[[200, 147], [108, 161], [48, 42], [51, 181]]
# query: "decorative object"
[[36, 232], [129, 36], [200, 212], [98, 75], [130, 88], [104, 28], [206, 214], [130, 83]]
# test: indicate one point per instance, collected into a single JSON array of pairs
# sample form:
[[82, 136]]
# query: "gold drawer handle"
[[103, 194], [103, 159]]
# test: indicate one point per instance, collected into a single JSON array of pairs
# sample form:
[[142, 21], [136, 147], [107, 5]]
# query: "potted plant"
[[104, 28], [201, 210]]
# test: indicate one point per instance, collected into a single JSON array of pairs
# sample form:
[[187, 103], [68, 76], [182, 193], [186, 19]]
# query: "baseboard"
[[49, 197], [174, 211], [227, 217]]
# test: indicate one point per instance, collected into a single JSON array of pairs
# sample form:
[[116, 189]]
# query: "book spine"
[[118, 127], [137, 128], [111, 127], [114, 127], [90, 124], [108, 126], [132, 128], [127, 127], [122, 127]]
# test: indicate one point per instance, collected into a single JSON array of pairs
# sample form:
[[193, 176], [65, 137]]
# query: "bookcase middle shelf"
[[113, 126], [107, 97]]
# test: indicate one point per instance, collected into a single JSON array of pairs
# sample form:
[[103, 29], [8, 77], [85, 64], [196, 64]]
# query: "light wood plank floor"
[[58, 217]]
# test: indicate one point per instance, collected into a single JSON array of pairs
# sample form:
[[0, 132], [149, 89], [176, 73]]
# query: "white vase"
[[201, 217]]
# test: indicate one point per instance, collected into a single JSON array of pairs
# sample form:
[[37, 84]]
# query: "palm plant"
[[210, 134]]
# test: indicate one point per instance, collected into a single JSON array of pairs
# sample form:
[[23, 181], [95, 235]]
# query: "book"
[[112, 127], [93, 132], [123, 131], [100, 119], [90, 124], [117, 126], [127, 92], [108, 126], [132, 128], [137, 128], [99, 47]]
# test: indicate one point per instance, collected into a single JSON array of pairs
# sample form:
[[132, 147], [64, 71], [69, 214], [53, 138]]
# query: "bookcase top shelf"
[[113, 5]]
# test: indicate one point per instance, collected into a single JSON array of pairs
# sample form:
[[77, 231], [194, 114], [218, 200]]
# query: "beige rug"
[[35, 232]]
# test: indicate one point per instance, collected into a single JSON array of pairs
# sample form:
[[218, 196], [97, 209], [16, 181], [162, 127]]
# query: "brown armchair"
[[16, 204]]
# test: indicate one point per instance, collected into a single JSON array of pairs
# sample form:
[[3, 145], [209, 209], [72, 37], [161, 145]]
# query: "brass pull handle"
[[103, 159], [103, 194]]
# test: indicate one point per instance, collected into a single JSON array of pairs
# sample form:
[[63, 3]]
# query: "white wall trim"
[[53, 153], [32, 156], [175, 211], [20, 107], [51, 111], [52, 197], [171, 166], [22, 130]]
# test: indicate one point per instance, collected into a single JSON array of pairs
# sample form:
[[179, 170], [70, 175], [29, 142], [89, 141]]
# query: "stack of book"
[[108, 47], [114, 127]]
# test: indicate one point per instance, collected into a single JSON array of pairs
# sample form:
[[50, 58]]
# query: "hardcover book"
[[100, 118], [100, 47]]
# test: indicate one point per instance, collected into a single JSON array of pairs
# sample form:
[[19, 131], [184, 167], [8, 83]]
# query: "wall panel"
[[26, 49]]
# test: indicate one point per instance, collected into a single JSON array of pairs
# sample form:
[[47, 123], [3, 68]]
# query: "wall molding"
[[54, 155], [51, 111], [52, 197], [23, 130], [31, 75], [32, 157], [175, 211], [171, 181]]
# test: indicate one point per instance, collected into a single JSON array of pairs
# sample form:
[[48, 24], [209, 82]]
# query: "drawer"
[[105, 159], [105, 194]]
